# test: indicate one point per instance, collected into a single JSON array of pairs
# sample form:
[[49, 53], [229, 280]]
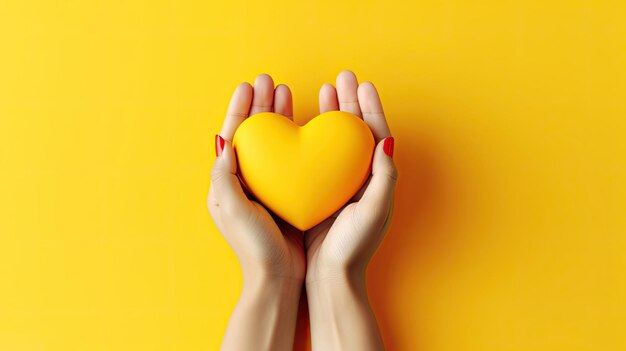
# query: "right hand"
[[265, 245]]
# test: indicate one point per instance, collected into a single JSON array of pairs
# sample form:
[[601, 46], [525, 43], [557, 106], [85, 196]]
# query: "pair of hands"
[[276, 258], [267, 246]]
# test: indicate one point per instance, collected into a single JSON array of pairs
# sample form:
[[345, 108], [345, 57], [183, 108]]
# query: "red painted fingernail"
[[219, 145], [388, 146]]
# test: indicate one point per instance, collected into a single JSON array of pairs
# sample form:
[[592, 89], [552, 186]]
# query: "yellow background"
[[510, 122]]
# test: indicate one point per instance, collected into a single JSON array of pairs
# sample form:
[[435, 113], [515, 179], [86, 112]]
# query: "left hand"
[[341, 246]]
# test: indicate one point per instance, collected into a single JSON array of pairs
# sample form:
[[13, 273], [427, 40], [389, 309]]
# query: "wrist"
[[337, 279], [269, 286], [340, 314], [341, 274], [266, 313], [258, 273]]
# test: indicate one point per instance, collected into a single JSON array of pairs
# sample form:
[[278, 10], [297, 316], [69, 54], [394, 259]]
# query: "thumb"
[[378, 196], [224, 180]]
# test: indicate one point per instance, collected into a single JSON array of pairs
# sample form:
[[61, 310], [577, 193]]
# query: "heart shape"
[[304, 174]]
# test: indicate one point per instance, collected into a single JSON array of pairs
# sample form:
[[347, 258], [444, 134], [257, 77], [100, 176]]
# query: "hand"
[[264, 244], [270, 252], [339, 249], [344, 243]]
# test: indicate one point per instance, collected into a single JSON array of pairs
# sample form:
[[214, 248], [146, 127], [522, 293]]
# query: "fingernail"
[[388, 146], [219, 145]]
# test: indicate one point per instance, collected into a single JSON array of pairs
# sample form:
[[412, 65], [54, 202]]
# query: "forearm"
[[265, 316], [340, 314]]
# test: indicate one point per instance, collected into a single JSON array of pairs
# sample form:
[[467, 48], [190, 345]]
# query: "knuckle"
[[216, 174], [393, 173], [390, 173]]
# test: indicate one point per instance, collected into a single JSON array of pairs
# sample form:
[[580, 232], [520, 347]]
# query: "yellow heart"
[[304, 174]]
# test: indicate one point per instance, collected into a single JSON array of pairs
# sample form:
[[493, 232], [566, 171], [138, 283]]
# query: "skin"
[[330, 259]]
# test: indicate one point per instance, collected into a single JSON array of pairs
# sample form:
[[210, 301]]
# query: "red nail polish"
[[219, 145], [388, 146]]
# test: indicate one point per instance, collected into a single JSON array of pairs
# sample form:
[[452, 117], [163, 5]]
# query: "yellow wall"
[[510, 121]]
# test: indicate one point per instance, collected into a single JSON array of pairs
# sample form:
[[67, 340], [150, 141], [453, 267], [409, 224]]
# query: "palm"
[[348, 237], [331, 242], [264, 239]]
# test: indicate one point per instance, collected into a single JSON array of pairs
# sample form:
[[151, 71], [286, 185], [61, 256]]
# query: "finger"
[[226, 186], [359, 194], [263, 100], [347, 93], [283, 102], [378, 197], [238, 109], [372, 110], [328, 98]]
